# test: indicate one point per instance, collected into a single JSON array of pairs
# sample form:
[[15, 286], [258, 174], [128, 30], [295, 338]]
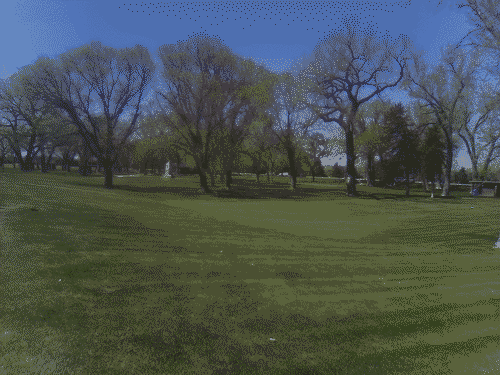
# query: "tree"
[[433, 154], [292, 119], [95, 75], [254, 94], [316, 148], [261, 147], [22, 115], [461, 176], [345, 62], [405, 148], [485, 126], [441, 90], [485, 16], [337, 171], [371, 138], [204, 79]]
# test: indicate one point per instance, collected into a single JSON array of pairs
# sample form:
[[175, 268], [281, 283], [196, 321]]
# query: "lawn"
[[155, 277]]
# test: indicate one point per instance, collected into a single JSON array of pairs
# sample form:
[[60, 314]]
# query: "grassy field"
[[154, 277]]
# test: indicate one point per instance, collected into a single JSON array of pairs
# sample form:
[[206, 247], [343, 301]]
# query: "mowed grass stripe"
[[158, 268]]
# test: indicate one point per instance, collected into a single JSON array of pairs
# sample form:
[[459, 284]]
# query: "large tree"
[[292, 118], [208, 102], [371, 138], [113, 80], [346, 63], [484, 129], [405, 143], [441, 89], [22, 116]]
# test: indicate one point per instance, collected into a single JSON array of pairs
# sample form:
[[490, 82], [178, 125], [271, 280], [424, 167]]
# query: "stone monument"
[[167, 171]]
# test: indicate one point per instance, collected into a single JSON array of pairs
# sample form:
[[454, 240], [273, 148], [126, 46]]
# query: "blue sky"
[[274, 33]]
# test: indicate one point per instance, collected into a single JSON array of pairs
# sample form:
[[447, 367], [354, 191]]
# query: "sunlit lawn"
[[154, 277]]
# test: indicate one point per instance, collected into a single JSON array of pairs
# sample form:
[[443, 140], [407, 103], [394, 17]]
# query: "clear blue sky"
[[274, 33]]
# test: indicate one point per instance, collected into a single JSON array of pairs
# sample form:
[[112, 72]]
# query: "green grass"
[[154, 277]]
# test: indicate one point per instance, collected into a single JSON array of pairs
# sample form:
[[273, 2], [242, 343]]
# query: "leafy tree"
[[113, 79], [405, 146], [337, 171], [441, 89], [211, 99], [292, 119]]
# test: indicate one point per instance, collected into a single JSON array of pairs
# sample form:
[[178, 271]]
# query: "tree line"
[[218, 112]]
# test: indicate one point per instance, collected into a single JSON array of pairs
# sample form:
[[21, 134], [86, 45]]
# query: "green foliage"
[[336, 171], [461, 177], [433, 153]]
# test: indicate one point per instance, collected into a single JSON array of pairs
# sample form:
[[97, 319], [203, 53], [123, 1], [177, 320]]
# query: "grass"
[[154, 277]]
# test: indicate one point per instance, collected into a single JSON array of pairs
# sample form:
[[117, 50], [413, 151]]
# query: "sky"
[[272, 33]]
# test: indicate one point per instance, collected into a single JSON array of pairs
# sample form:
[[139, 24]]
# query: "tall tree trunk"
[[426, 184], [351, 168], [27, 164], [369, 169], [407, 185], [204, 181], [229, 179], [108, 175], [293, 170], [447, 170], [43, 160]]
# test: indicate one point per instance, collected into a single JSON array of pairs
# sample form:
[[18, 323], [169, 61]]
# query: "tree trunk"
[[204, 181], [369, 172], [293, 170], [268, 178], [351, 168], [432, 189], [426, 185], [27, 164], [212, 179], [108, 175], [447, 171], [229, 179], [407, 180]]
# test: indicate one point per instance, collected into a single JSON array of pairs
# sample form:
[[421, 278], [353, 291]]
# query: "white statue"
[[167, 170]]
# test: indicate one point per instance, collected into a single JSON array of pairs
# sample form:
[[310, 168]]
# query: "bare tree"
[[441, 89], [485, 16], [96, 79], [345, 63], [485, 127]]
